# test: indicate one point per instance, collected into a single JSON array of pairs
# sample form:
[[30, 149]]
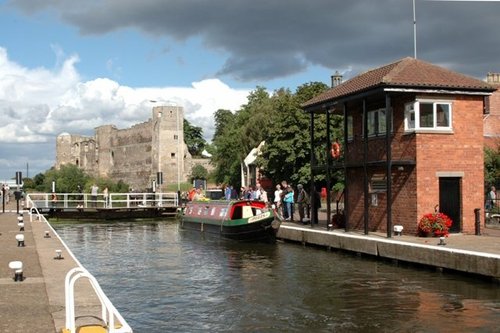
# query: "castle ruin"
[[134, 155]]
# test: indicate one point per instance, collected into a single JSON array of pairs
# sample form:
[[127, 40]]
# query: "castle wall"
[[133, 155], [125, 154]]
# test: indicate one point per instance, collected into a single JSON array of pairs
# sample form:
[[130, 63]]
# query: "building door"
[[449, 200]]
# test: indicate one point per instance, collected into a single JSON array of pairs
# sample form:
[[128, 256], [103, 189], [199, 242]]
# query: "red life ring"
[[335, 151]]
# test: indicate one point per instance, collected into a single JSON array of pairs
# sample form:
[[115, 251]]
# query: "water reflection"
[[163, 279]]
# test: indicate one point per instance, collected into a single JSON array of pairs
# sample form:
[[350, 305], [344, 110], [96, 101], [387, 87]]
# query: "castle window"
[[428, 115], [172, 155], [176, 137]]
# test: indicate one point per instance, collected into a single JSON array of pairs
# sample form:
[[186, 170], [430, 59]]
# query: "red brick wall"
[[460, 152], [492, 121], [415, 189]]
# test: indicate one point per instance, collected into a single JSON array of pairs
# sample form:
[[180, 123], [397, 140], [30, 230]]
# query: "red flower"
[[436, 224]]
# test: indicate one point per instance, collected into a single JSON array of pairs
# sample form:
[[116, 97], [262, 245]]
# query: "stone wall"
[[133, 155]]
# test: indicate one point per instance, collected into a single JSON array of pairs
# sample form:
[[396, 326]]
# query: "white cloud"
[[38, 104]]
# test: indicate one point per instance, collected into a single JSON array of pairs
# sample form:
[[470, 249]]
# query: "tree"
[[280, 122], [199, 172], [66, 179], [223, 119], [287, 155], [193, 137], [492, 166]]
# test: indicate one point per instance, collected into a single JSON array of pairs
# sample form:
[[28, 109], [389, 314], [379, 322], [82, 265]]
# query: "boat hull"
[[220, 219], [258, 231]]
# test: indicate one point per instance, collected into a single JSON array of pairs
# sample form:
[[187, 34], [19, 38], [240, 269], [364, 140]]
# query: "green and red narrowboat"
[[243, 220]]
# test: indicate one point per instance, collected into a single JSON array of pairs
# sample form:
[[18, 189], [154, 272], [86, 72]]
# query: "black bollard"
[[478, 221]]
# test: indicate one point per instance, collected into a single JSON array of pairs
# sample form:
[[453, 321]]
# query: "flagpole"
[[414, 32]]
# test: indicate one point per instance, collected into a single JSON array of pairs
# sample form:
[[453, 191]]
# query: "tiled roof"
[[404, 73]]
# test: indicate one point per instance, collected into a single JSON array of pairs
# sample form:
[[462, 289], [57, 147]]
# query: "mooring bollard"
[[17, 267], [478, 221], [20, 240]]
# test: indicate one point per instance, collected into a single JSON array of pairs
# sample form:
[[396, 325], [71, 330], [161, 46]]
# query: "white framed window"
[[428, 115], [376, 122]]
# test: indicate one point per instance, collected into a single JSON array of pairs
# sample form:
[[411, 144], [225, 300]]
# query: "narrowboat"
[[243, 220]]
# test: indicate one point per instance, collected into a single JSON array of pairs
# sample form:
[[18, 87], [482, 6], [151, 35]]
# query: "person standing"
[[277, 199], [284, 188], [53, 200], [492, 197], [228, 192], [105, 194], [289, 200], [93, 194], [303, 203], [7, 193], [263, 195]]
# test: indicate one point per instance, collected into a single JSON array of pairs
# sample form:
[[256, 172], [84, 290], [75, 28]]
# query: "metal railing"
[[113, 200], [114, 322]]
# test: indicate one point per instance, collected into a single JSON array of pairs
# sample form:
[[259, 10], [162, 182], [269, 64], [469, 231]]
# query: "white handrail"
[[108, 311], [114, 200]]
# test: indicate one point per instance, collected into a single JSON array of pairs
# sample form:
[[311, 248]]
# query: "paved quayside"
[[37, 303]]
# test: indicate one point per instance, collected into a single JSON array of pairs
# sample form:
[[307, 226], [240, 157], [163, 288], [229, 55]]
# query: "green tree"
[[287, 153], [193, 137], [66, 179], [492, 166], [282, 124], [223, 119], [199, 172]]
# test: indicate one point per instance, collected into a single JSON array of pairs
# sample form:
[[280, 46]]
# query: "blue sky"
[[68, 66]]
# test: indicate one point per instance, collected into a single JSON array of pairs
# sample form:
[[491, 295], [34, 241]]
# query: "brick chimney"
[[336, 79]]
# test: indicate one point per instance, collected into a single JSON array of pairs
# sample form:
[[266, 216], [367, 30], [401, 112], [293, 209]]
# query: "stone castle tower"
[[134, 155]]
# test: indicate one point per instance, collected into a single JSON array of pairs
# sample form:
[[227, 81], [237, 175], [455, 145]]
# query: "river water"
[[165, 279]]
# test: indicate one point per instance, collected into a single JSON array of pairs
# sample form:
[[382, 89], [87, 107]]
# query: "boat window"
[[248, 212], [223, 212], [237, 213], [200, 210], [212, 213]]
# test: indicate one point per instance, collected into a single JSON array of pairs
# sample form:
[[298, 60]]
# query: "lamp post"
[[178, 153]]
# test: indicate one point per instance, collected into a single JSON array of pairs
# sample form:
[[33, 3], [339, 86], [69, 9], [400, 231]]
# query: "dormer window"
[[428, 115]]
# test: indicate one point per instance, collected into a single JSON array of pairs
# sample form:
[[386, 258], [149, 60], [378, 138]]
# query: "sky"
[[71, 66]]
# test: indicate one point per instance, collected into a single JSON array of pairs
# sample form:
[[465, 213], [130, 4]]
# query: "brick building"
[[413, 133], [492, 114]]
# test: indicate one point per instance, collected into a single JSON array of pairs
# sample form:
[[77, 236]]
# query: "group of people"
[[285, 200], [254, 193]]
